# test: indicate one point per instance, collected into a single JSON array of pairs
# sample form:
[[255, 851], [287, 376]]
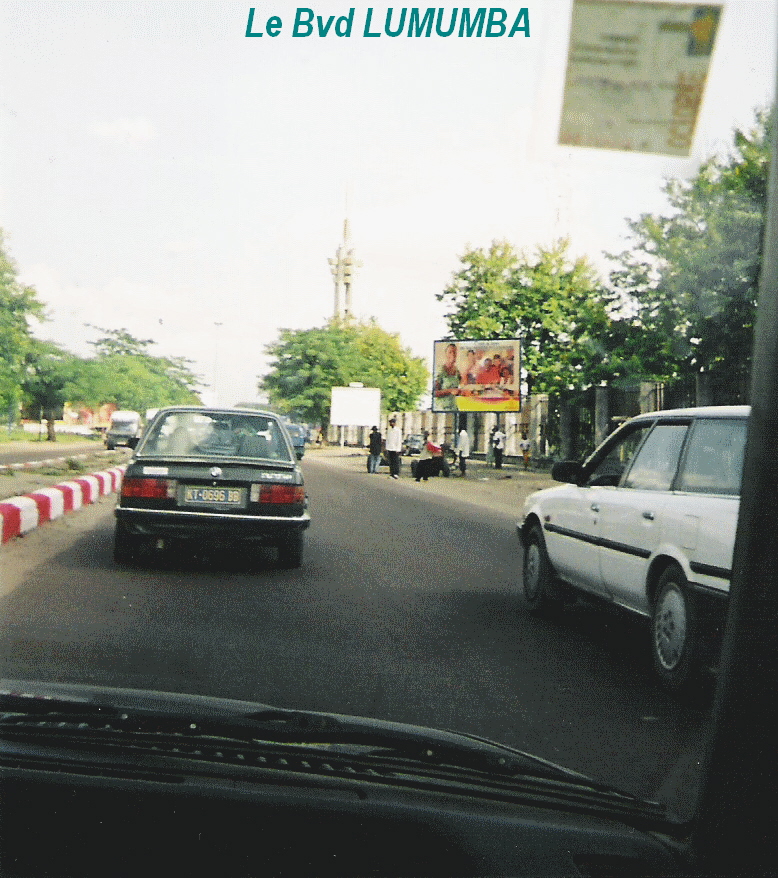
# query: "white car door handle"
[[595, 507], [648, 515]]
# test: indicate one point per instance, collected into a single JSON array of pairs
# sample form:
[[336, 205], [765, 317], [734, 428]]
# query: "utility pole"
[[218, 326]]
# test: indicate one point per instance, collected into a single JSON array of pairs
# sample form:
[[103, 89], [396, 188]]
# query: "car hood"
[[556, 490]]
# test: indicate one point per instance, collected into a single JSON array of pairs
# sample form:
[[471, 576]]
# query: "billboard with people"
[[482, 375]]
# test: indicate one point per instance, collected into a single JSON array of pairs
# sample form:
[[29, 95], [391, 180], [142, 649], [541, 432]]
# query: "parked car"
[[413, 444], [647, 522], [214, 476], [299, 436], [124, 429]]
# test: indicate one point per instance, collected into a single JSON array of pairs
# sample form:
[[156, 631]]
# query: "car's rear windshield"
[[216, 434]]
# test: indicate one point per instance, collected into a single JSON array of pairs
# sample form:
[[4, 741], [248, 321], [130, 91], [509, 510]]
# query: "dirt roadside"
[[483, 485], [18, 481]]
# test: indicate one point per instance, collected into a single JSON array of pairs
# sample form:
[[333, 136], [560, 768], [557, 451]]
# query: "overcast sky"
[[164, 173]]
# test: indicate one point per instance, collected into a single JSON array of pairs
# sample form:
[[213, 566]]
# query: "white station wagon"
[[647, 522]]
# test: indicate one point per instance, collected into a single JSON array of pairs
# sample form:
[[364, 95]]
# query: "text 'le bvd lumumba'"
[[407, 22]]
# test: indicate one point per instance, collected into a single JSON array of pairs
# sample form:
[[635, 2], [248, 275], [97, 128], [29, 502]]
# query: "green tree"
[[694, 272], [306, 364], [120, 342], [124, 373], [128, 382], [18, 304], [48, 374], [386, 364], [555, 303]]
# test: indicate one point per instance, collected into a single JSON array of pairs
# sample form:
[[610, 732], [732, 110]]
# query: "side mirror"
[[133, 443], [568, 471]]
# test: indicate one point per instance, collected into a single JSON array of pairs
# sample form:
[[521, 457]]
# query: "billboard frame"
[[481, 384], [355, 406]]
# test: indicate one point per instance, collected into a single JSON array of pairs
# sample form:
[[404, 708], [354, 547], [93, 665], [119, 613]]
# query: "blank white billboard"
[[355, 406]]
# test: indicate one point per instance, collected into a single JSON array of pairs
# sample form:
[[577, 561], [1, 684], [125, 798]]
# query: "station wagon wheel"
[[538, 575], [675, 645]]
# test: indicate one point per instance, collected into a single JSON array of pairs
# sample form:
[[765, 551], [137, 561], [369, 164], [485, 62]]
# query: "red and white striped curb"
[[20, 515]]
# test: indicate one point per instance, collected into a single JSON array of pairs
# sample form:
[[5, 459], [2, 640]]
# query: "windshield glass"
[[502, 232]]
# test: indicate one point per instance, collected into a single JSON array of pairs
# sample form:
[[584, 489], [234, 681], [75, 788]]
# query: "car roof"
[[707, 411], [216, 410]]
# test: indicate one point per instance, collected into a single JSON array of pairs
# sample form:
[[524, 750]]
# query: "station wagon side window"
[[714, 459], [656, 463], [610, 468]]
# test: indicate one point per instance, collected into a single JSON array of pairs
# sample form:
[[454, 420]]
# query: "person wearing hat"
[[394, 444], [375, 444]]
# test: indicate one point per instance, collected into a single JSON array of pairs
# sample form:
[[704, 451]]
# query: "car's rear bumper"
[[210, 526]]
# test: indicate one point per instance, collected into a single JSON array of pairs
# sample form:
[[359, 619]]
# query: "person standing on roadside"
[[430, 462], [524, 447], [394, 444], [463, 447], [375, 445], [498, 446]]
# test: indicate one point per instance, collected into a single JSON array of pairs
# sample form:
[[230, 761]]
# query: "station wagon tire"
[[538, 579], [290, 552], [675, 638], [125, 545]]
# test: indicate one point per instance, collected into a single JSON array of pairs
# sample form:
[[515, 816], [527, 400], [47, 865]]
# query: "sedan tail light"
[[278, 493], [150, 489]]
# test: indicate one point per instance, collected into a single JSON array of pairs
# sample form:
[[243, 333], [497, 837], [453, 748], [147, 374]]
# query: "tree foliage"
[[124, 373], [555, 303], [48, 375], [119, 342], [694, 272], [18, 304], [306, 364]]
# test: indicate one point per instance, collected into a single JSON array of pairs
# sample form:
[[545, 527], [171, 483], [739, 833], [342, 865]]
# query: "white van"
[[123, 429]]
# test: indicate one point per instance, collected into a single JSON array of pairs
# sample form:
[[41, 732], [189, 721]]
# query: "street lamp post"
[[218, 326]]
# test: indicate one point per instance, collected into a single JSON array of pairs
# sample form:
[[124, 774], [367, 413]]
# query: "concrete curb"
[[20, 515]]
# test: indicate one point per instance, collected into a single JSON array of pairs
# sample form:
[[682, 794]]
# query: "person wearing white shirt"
[[498, 446], [394, 444], [463, 447], [524, 446]]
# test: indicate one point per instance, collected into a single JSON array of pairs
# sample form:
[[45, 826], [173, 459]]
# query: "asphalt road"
[[407, 608]]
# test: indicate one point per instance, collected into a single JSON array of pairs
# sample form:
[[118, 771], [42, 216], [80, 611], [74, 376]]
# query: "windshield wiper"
[[22, 715], [279, 725], [211, 732]]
